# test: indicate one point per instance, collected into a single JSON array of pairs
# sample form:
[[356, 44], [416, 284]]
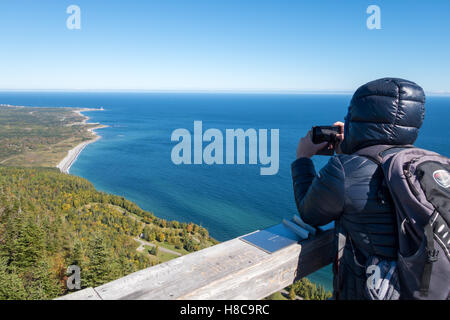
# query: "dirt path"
[[4, 160], [146, 243]]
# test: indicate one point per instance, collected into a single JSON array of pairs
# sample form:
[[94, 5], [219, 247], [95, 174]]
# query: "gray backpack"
[[418, 181]]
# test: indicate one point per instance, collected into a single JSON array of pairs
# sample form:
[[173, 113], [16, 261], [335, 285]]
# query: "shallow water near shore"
[[133, 158]]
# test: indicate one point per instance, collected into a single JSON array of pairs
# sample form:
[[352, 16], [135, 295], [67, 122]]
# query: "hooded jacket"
[[349, 188]]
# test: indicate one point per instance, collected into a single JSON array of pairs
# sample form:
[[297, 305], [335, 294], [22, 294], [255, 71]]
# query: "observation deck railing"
[[231, 270]]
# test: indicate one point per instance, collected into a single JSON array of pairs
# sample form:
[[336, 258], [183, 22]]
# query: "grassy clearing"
[[171, 247], [161, 256]]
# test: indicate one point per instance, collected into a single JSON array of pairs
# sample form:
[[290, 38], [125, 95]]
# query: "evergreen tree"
[[77, 255], [25, 242], [11, 285], [43, 284], [98, 270], [152, 251]]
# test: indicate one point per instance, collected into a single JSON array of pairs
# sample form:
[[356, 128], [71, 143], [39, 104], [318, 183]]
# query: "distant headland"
[[44, 136]]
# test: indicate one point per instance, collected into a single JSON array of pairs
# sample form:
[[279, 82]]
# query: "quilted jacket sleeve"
[[319, 198]]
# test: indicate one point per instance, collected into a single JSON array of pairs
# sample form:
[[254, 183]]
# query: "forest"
[[50, 220]]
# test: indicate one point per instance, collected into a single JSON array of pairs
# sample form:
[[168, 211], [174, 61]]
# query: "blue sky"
[[246, 45]]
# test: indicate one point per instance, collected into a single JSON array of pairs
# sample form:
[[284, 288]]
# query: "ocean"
[[133, 157]]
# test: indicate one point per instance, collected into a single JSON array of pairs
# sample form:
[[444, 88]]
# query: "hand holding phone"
[[329, 134]]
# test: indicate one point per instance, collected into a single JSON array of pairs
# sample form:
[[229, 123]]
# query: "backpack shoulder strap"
[[432, 256], [378, 152]]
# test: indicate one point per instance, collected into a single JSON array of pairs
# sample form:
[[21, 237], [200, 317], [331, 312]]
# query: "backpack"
[[418, 181]]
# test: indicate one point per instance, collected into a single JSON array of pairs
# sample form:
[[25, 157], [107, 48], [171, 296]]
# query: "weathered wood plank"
[[230, 270], [273, 273], [180, 276]]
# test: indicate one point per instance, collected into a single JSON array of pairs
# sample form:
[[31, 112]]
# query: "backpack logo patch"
[[442, 177]]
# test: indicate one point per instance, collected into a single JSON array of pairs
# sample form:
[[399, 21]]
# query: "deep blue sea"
[[133, 158]]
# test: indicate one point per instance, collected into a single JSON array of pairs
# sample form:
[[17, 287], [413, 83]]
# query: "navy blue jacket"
[[349, 188]]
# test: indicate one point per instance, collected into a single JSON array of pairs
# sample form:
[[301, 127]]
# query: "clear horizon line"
[[231, 91]]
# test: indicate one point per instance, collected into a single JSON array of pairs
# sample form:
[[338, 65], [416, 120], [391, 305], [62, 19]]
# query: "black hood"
[[385, 111]]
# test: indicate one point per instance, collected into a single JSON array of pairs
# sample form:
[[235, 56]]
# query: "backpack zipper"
[[408, 176]]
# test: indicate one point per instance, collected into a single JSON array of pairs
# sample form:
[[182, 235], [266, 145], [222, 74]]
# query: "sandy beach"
[[72, 155]]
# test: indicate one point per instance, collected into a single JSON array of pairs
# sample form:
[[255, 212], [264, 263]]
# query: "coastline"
[[65, 164]]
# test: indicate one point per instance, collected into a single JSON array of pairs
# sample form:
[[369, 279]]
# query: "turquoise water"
[[133, 158]]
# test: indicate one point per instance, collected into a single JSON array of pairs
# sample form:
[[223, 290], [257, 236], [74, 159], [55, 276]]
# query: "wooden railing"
[[231, 270]]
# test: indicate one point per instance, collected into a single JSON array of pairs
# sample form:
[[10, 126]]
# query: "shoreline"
[[65, 164]]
